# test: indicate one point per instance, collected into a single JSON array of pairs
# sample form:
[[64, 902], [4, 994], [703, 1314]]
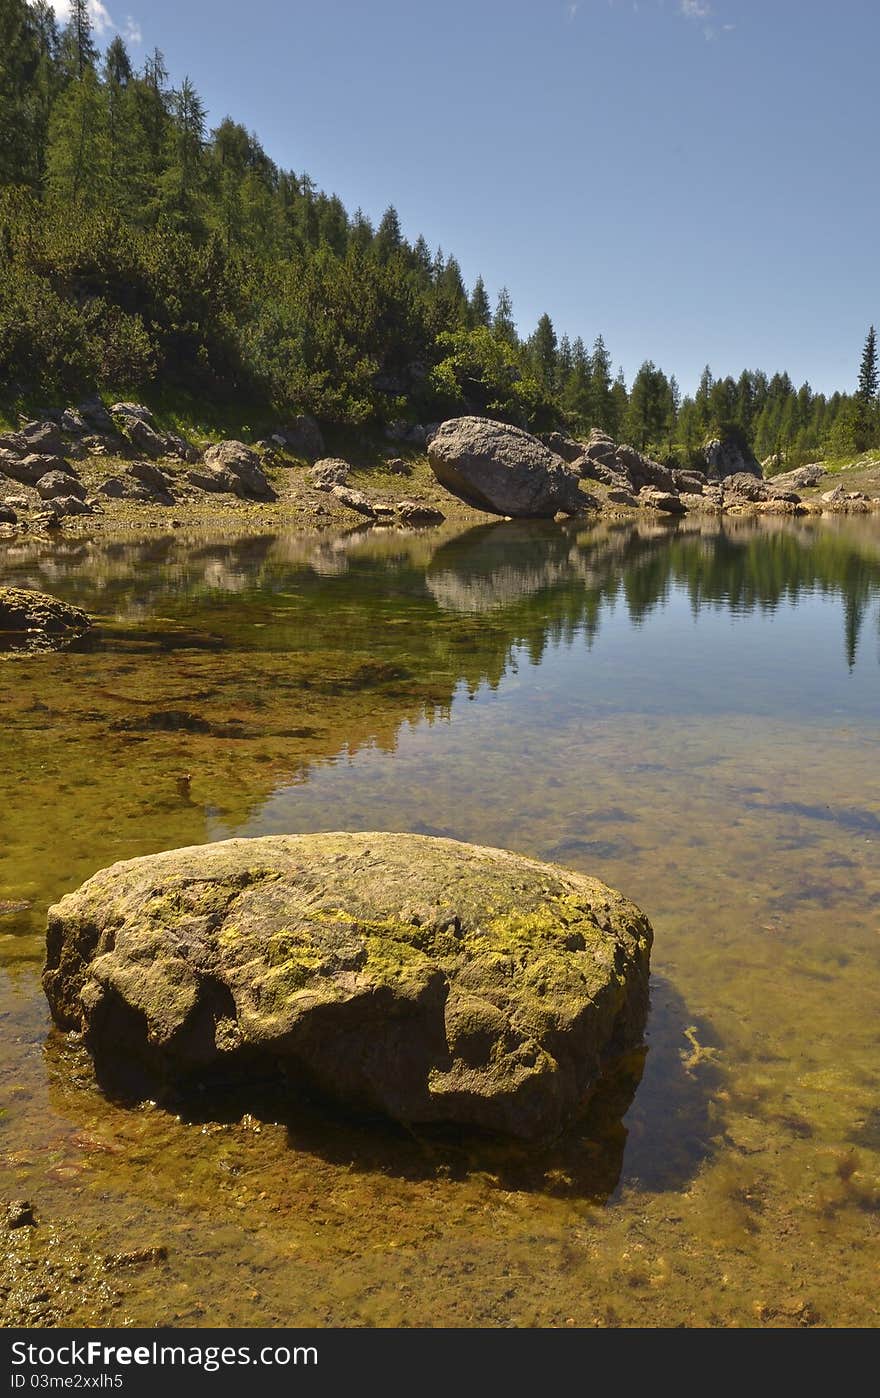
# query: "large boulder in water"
[[503, 469], [420, 978]]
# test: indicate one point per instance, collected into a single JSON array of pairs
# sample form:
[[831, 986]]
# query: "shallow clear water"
[[688, 713]]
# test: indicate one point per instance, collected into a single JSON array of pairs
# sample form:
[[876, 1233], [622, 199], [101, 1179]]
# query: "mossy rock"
[[420, 978], [36, 621]]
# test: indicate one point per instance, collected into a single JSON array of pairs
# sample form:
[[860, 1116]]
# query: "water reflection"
[[687, 711]]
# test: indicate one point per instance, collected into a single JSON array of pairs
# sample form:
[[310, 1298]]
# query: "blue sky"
[[695, 179]]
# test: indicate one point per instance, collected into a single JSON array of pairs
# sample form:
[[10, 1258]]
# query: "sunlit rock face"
[[427, 980]]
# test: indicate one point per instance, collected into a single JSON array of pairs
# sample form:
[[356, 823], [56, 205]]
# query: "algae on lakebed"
[[687, 713]]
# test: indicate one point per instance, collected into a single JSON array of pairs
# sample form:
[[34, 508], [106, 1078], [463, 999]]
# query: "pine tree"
[[127, 155], [77, 45], [361, 231], [543, 349], [78, 157], [502, 321], [183, 176], [868, 375], [577, 387], [480, 310], [18, 65], [604, 415], [389, 238], [422, 254]]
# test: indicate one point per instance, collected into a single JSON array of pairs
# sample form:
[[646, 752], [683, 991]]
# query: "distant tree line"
[[137, 245]]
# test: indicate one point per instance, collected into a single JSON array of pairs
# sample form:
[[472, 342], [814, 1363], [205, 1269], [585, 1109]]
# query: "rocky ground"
[[96, 467]]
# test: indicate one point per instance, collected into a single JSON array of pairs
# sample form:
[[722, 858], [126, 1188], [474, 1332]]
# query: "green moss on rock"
[[419, 977]]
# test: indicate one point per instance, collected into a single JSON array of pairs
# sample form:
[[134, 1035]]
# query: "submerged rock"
[[502, 469], [424, 979], [36, 621]]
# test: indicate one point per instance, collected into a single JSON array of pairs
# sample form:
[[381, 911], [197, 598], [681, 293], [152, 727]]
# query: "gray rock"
[[20, 1214], [57, 484], [415, 512], [72, 421], [691, 482], [233, 460], [666, 500], [302, 436], [620, 495], [27, 470], [563, 446], [743, 487], [63, 505], [730, 456], [329, 472], [640, 470], [215, 479], [96, 415], [502, 469], [43, 438], [802, 478], [422, 978], [8, 515], [126, 487], [354, 500], [180, 447], [144, 437], [150, 477], [135, 410]]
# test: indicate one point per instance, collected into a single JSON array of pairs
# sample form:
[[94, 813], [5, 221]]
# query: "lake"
[[688, 712]]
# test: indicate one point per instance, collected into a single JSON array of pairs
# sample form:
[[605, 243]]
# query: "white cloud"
[[102, 20], [571, 10], [695, 9]]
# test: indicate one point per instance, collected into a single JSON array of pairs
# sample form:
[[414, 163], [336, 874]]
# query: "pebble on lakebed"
[[420, 978]]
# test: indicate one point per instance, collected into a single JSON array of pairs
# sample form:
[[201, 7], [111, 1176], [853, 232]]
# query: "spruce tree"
[[502, 321], [480, 310], [77, 45], [19, 58], [389, 238], [543, 350], [868, 376], [604, 415]]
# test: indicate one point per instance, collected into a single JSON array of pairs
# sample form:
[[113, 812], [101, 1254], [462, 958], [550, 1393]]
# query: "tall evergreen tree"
[[605, 414], [480, 310], [868, 376], [502, 321], [78, 159], [389, 238], [543, 348], [183, 176], [18, 62], [78, 48]]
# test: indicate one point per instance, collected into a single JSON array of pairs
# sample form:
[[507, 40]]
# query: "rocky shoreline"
[[86, 468]]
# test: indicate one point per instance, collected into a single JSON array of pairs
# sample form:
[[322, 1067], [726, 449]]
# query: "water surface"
[[689, 713]]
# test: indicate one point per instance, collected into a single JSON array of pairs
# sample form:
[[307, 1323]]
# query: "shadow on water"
[[649, 1123]]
